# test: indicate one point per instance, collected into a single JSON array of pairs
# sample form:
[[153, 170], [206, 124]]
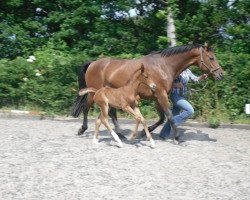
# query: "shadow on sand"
[[189, 135], [185, 135], [106, 137]]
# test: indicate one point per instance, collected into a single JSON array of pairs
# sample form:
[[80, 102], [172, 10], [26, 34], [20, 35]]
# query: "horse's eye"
[[211, 58]]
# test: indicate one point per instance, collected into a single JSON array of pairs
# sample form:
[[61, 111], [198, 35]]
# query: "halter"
[[210, 69]]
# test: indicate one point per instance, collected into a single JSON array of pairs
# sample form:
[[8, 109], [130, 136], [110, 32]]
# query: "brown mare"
[[164, 66], [125, 98]]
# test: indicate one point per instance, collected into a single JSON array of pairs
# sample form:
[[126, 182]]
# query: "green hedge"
[[48, 84]]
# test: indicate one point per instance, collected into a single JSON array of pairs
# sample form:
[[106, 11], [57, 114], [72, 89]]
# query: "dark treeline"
[[63, 34]]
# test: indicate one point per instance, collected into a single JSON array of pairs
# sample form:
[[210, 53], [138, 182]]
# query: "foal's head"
[[144, 78]]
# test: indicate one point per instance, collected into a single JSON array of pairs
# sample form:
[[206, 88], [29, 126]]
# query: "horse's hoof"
[[81, 131], [178, 140]]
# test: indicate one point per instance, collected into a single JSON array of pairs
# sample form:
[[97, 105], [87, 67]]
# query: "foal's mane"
[[178, 49]]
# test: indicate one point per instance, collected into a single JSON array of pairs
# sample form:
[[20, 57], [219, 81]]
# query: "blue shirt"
[[183, 78]]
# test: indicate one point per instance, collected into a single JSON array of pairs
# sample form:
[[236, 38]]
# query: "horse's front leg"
[[164, 103], [161, 114]]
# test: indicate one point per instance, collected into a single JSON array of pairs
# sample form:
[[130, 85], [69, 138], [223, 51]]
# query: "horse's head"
[[209, 63], [145, 78]]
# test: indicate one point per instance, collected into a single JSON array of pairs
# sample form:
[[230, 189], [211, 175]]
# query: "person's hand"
[[203, 77]]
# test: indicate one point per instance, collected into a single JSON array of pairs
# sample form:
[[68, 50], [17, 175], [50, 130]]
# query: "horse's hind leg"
[[89, 103]]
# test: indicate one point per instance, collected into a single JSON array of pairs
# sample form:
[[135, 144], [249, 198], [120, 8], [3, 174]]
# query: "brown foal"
[[125, 98]]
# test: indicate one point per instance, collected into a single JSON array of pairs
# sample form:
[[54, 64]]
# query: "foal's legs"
[[133, 134], [139, 118], [143, 121], [97, 126], [158, 123], [113, 115], [104, 118]]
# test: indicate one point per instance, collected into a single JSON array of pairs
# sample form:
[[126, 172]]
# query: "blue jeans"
[[179, 103]]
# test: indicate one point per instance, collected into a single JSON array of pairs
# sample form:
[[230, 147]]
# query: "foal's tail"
[[80, 101], [82, 92]]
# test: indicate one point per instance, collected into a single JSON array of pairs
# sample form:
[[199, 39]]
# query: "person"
[[178, 98]]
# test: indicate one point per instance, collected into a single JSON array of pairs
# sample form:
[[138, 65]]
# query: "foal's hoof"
[[131, 137], [114, 143], [152, 143], [81, 131], [95, 141], [120, 144]]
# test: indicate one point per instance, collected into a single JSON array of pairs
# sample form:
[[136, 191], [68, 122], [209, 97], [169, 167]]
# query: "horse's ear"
[[206, 46], [142, 68]]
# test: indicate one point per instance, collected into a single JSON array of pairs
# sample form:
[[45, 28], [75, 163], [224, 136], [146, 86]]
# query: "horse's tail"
[[82, 92], [80, 101]]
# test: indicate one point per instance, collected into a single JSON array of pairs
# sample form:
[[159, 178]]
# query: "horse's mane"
[[178, 49]]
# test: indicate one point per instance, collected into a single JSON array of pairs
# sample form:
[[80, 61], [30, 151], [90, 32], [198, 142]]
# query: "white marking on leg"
[[116, 137], [95, 140], [152, 143]]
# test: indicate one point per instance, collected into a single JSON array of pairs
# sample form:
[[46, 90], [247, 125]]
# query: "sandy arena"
[[45, 159]]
